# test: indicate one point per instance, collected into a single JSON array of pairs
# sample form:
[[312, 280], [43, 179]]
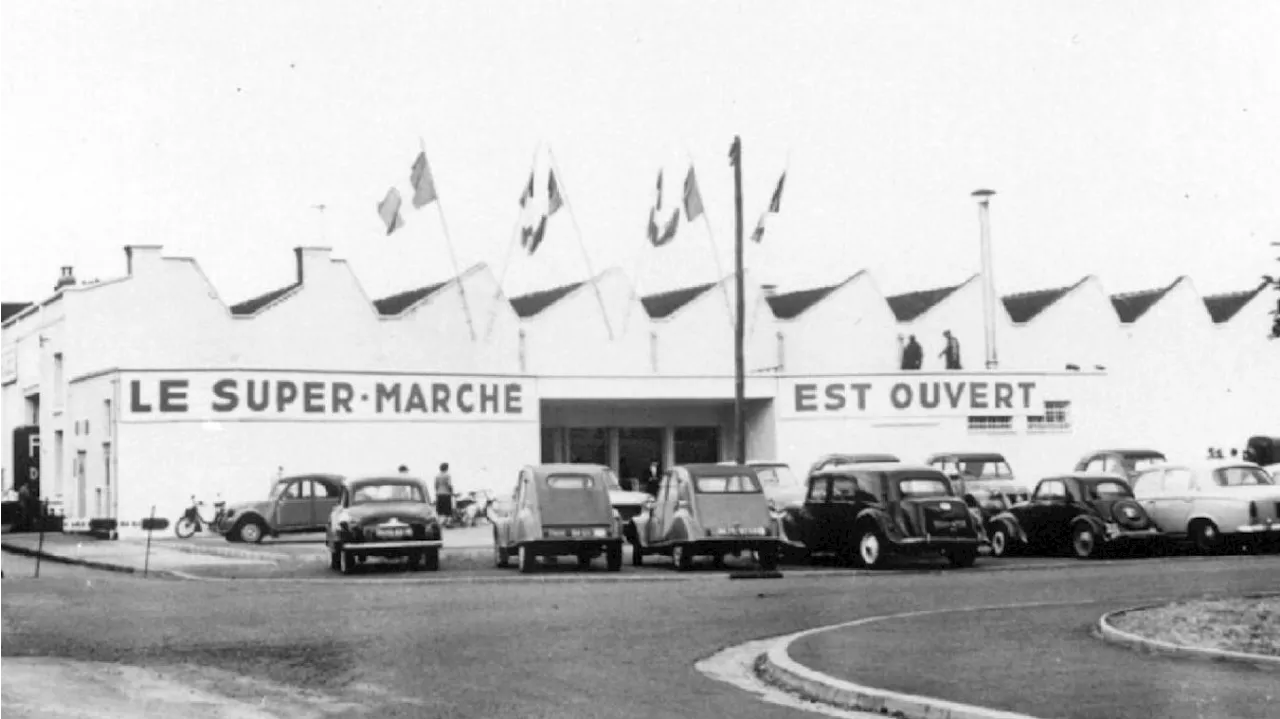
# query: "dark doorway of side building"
[[696, 445], [637, 447]]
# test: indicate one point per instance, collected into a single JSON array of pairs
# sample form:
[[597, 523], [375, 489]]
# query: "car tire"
[[528, 562], [962, 558], [1002, 542], [431, 560], [613, 557], [251, 531], [1206, 537], [637, 555], [681, 558], [871, 549], [1084, 542], [346, 562], [335, 561], [501, 557]]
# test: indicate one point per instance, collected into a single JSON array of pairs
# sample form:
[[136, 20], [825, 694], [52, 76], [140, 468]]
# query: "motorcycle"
[[192, 522]]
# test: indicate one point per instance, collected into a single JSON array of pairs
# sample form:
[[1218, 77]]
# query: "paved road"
[[547, 650], [18, 568]]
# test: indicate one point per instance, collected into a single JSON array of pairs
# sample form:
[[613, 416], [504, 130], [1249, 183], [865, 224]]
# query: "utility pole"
[[988, 279], [739, 370]]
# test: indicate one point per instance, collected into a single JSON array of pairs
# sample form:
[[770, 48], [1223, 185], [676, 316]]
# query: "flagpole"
[[715, 255], [635, 285], [739, 381], [453, 258], [506, 261], [564, 192]]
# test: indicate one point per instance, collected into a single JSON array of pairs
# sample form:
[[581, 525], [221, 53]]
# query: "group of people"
[[913, 354], [648, 481]]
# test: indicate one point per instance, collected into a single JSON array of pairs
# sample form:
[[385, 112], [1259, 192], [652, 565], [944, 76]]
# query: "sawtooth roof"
[[250, 306], [9, 309], [664, 304], [790, 305], [397, 303], [1130, 306], [527, 306], [1225, 306], [910, 305], [1025, 306]]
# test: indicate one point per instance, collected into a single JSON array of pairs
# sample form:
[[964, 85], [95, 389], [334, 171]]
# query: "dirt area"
[[1236, 625]]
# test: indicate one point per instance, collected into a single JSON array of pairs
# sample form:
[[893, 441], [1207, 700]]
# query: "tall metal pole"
[[739, 370], [988, 277]]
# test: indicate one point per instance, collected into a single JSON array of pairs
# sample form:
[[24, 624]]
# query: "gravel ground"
[[1236, 625]]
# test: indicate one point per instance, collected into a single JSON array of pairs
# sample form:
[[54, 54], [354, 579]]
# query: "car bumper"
[[731, 545], [911, 545], [1270, 529], [399, 544], [571, 545], [1132, 535]]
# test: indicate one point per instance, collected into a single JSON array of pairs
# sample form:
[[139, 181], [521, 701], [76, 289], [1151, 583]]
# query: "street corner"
[[1242, 629]]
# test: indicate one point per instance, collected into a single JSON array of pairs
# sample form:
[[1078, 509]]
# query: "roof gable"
[[9, 309], [1025, 306], [792, 304], [1225, 306], [1130, 306], [527, 306], [397, 303], [664, 304], [251, 306], [910, 305]]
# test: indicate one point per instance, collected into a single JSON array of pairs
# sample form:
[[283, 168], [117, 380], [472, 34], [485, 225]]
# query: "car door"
[[655, 528], [670, 495], [1148, 491], [325, 495], [817, 505], [1036, 516], [293, 510], [1177, 500]]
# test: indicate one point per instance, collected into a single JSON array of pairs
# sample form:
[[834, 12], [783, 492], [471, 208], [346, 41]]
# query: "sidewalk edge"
[[46, 556], [1108, 632]]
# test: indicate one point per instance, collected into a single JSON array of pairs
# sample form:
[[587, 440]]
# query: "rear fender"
[[1011, 525], [1093, 522], [876, 519]]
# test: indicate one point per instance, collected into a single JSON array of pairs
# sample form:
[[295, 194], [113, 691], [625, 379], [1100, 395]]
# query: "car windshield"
[[611, 481], [776, 475], [387, 492], [923, 487], [730, 484], [1138, 464], [1242, 477], [980, 469], [278, 490], [570, 481], [1108, 490]]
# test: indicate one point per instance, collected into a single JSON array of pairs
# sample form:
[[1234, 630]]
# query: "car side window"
[[1051, 489], [1177, 481], [324, 490], [844, 489], [1146, 483], [818, 489], [294, 490], [1094, 465], [683, 492]]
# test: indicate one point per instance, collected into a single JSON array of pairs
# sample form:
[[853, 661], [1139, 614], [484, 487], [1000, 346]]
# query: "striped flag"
[[424, 186], [657, 204], [527, 195], [554, 200], [531, 237], [669, 232], [389, 211], [775, 204], [692, 197]]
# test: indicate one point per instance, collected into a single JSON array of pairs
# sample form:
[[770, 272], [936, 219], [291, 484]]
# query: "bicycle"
[[191, 521]]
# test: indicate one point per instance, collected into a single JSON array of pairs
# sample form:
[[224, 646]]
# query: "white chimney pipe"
[[988, 277]]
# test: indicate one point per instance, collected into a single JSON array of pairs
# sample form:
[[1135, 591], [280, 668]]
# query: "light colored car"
[[1214, 504], [558, 510], [1274, 469], [384, 517], [627, 503], [296, 504], [982, 478], [781, 486], [1127, 463]]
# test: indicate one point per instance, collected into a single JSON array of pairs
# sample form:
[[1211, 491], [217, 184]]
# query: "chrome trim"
[[418, 543]]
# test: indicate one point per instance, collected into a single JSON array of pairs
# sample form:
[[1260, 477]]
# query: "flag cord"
[[506, 261], [453, 258], [715, 255], [586, 256]]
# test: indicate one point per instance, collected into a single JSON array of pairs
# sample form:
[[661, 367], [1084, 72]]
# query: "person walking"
[[444, 494], [912, 355], [952, 351]]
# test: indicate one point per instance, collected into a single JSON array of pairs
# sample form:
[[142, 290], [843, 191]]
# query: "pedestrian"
[[952, 351], [444, 493], [404, 470], [912, 355], [653, 478]]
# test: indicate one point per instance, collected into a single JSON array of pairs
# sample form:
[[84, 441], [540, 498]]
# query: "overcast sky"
[[1133, 141]]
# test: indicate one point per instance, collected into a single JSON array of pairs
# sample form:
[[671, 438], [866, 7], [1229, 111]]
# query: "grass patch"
[[1236, 625]]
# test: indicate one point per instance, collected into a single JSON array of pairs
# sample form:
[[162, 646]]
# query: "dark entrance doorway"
[[589, 445], [637, 447], [697, 444]]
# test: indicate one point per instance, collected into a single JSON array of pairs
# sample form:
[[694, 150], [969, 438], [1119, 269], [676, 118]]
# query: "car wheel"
[[637, 555], [871, 550], [527, 561], [1085, 542], [501, 557], [962, 558], [613, 558], [681, 558], [431, 560], [252, 531], [1001, 543], [346, 565], [1205, 536], [335, 561]]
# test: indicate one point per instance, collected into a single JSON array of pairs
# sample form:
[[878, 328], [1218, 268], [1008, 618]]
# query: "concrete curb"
[[516, 578], [47, 557], [230, 552], [1108, 632]]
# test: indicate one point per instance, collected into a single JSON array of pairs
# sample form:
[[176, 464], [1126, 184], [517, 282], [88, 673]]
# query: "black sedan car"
[[1081, 513], [867, 512]]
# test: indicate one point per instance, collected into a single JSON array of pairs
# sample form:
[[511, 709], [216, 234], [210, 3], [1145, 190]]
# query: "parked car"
[[1125, 462], [627, 503], [558, 510], [832, 460], [714, 510], [1079, 512], [296, 504], [387, 517], [781, 486], [983, 479], [1214, 504], [868, 512], [1263, 450]]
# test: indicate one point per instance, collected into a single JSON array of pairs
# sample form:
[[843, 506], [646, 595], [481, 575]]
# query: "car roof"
[[975, 456], [1209, 465], [888, 467], [714, 470], [860, 458], [756, 463], [1096, 476], [1136, 453], [546, 470], [378, 478], [313, 475]]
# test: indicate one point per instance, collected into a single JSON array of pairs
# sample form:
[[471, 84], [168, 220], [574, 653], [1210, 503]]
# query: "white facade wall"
[[852, 329], [960, 312], [571, 338], [1081, 328], [697, 339]]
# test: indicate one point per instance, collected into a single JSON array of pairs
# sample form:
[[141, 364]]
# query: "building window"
[[57, 462], [57, 381], [991, 425], [106, 417], [1056, 418]]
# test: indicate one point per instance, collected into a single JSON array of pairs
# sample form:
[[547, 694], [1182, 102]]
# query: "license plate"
[[394, 533], [951, 524]]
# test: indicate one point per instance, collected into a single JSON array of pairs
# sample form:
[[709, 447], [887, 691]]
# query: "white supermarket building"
[[147, 389]]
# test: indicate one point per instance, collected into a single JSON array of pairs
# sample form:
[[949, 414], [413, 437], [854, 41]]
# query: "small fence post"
[[146, 562], [44, 511]]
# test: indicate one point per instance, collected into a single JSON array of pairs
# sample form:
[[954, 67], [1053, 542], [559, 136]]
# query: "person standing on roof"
[[912, 354], [952, 351], [444, 493]]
